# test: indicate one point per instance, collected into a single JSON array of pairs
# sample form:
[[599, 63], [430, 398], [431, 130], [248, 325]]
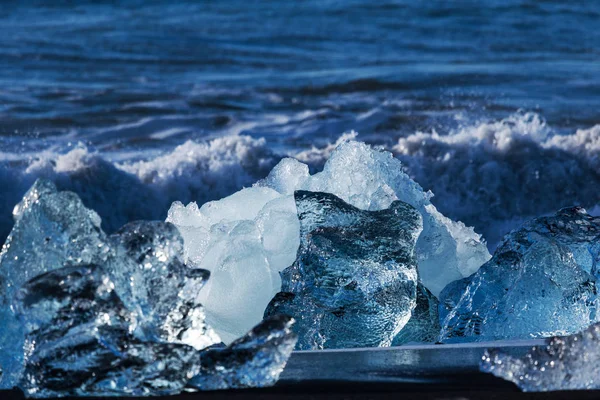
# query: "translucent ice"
[[254, 234], [87, 314], [254, 360], [354, 281], [80, 341], [541, 282], [150, 276], [52, 229], [372, 179], [244, 240], [12, 338], [563, 363], [424, 323]]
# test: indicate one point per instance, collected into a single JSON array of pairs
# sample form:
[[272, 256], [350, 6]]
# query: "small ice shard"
[[254, 233], [52, 229], [424, 323], [563, 363], [541, 282], [354, 281], [254, 360], [151, 278], [80, 341]]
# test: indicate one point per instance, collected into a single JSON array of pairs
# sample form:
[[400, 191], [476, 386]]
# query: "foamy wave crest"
[[585, 144], [493, 175], [122, 192], [206, 170], [490, 175]]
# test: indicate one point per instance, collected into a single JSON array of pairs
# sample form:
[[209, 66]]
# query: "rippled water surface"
[[494, 106]]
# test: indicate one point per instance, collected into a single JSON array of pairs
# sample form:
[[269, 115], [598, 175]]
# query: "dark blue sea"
[[494, 106]]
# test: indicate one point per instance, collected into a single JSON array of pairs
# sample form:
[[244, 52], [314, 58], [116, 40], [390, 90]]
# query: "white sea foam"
[[584, 144], [124, 191], [196, 167], [491, 175], [494, 175]]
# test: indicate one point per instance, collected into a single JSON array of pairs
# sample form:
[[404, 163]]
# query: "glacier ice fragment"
[[254, 233], [52, 229], [372, 179], [151, 278], [89, 315], [80, 341], [244, 240], [354, 281], [541, 281], [563, 363], [254, 360]]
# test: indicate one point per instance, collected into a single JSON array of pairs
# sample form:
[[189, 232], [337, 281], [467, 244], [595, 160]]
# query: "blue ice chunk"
[[424, 323], [52, 229], [151, 278], [354, 280], [254, 360], [541, 281], [89, 315], [563, 363], [371, 179], [81, 342]]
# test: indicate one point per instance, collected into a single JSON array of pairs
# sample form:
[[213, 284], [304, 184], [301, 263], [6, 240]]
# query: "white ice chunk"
[[244, 240], [287, 176], [278, 225]]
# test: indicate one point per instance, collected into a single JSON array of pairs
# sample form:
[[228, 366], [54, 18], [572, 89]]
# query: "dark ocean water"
[[494, 106]]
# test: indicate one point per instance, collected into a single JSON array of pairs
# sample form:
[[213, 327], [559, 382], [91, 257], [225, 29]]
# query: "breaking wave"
[[491, 175], [122, 192], [494, 175]]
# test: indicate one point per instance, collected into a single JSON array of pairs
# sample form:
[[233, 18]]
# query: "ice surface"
[[541, 282], [254, 233], [87, 314], [80, 341], [152, 279], [244, 240], [52, 229], [371, 179], [424, 323], [354, 281], [12, 339], [254, 360], [564, 363]]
